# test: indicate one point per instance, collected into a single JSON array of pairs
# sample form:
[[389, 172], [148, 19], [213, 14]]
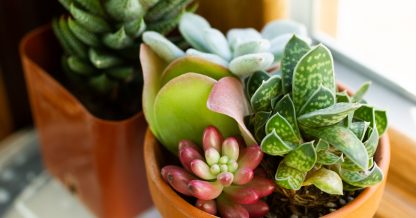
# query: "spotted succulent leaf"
[[327, 116], [344, 140], [286, 108], [381, 121], [303, 158], [322, 145], [320, 99], [359, 129], [289, 178], [343, 97], [283, 128], [326, 157], [359, 94], [375, 117], [261, 99], [255, 81], [272, 144], [314, 69], [294, 50], [363, 179], [326, 180], [372, 142]]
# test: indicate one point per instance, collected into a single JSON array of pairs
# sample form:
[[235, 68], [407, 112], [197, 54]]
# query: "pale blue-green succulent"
[[326, 137], [243, 51]]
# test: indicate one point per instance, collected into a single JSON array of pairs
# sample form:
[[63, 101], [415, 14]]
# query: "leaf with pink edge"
[[227, 97]]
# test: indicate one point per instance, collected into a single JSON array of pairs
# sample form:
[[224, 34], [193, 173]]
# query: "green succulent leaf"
[[381, 121], [348, 187], [188, 64], [326, 180], [124, 10], [121, 73], [251, 47], [162, 46], [343, 97], [247, 64], [289, 178], [91, 22], [80, 66], [326, 157], [66, 4], [93, 6], [294, 50], [117, 40], [359, 129], [60, 36], [372, 142], [320, 99], [260, 119], [164, 7], [314, 69], [272, 144], [102, 60], [135, 27], [363, 179], [255, 81], [261, 99], [75, 46], [283, 128], [102, 83], [344, 140], [350, 165], [182, 113], [82, 34], [327, 116], [358, 96], [303, 158], [322, 145], [286, 108], [165, 25]]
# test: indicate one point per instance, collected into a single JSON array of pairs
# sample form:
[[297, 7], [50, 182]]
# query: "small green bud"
[[215, 169], [223, 160]]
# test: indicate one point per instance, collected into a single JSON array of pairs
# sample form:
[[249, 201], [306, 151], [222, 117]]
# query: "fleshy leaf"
[[344, 140], [294, 50], [207, 56], [374, 176], [261, 99], [227, 97], [190, 27], [326, 180], [251, 47], [288, 177], [177, 119], [255, 81], [91, 22], [260, 120], [320, 99], [237, 36], [282, 128], [303, 158], [286, 108], [359, 94], [327, 116], [343, 97], [277, 46], [247, 64], [326, 157], [381, 121], [272, 144], [314, 69], [162, 46], [372, 142], [377, 117], [188, 64], [152, 67], [216, 43], [280, 27], [102, 59], [118, 39], [359, 129], [322, 145]]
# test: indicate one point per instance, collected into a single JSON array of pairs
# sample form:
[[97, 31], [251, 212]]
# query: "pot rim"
[[24, 50]]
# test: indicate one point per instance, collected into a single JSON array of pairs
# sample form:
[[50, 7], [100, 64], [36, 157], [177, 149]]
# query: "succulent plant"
[[222, 178], [243, 51], [326, 137], [101, 42]]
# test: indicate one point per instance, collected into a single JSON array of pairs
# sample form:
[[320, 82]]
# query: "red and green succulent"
[[222, 177]]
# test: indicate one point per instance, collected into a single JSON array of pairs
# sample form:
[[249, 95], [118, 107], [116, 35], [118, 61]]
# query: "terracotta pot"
[[228, 14], [170, 204], [100, 160]]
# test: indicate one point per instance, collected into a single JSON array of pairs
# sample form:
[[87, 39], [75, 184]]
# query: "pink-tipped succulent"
[[222, 177]]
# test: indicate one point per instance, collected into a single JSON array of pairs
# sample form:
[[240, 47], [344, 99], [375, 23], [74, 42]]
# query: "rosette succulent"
[[222, 178], [242, 51], [326, 138], [101, 42]]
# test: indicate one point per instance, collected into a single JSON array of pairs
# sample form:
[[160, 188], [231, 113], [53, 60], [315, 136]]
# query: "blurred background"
[[371, 40]]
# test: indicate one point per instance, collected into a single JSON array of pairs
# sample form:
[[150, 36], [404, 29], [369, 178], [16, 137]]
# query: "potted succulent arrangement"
[[253, 124], [84, 82]]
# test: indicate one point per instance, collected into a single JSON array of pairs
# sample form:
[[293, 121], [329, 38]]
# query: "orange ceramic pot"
[[100, 160], [170, 204]]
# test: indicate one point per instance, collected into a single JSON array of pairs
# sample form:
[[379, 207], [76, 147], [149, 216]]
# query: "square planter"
[[101, 161]]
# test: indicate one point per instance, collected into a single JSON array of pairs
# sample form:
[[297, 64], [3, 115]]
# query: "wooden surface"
[[399, 198]]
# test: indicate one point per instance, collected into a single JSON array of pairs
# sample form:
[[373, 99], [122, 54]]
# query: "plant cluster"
[[101, 42], [222, 178], [274, 89]]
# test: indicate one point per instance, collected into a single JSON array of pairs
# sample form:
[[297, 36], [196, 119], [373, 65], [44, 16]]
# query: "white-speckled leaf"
[[359, 129], [283, 128], [363, 179], [261, 99], [320, 99], [321, 145], [326, 180], [359, 94], [327, 116], [286, 108], [343, 97], [314, 69], [344, 140], [272, 144], [303, 158], [381, 121], [328, 158], [288, 177], [372, 142], [377, 117], [294, 50], [255, 81]]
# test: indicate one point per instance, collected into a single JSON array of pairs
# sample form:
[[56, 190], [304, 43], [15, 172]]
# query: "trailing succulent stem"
[[101, 42], [222, 177], [325, 137]]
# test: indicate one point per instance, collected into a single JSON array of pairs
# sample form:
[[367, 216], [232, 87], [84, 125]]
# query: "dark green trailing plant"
[[101, 42], [325, 137]]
